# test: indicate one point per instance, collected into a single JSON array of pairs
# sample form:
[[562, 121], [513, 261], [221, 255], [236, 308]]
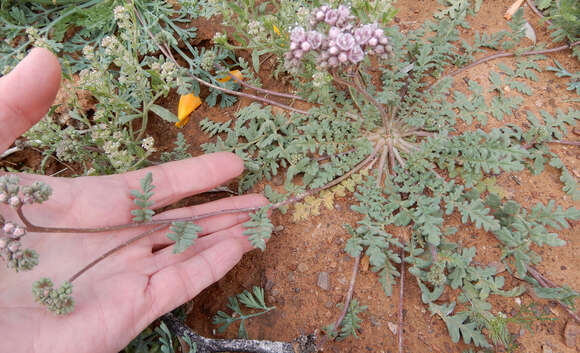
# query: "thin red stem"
[[401, 298], [537, 12], [546, 283]]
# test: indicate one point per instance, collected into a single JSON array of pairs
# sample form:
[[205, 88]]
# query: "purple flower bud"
[[18, 232], [373, 42], [363, 34], [333, 33], [297, 35], [14, 201], [315, 39], [379, 32], [343, 11], [319, 15], [8, 228], [356, 55], [324, 8], [333, 61], [333, 50], [3, 197], [293, 45], [384, 40], [342, 57], [298, 53], [305, 46], [331, 17], [345, 42], [324, 55], [379, 49]]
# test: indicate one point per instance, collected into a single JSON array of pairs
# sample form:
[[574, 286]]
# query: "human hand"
[[123, 294]]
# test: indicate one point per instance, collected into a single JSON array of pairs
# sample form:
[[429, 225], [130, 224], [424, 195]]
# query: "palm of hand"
[[120, 296], [123, 294]]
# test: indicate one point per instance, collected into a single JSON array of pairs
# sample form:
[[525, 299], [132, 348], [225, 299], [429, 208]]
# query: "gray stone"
[[324, 280]]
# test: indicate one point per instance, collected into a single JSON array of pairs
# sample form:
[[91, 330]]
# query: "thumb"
[[26, 94]]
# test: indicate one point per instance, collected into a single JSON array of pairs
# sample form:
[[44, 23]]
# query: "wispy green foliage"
[[459, 325], [183, 234], [166, 342], [179, 151], [259, 228], [142, 200], [561, 71], [350, 325], [252, 300]]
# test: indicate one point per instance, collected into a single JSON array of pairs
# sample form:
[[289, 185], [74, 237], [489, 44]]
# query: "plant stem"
[[503, 54], [565, 142], [163, 223], [537, 12], [168, 54], [365, 94], [114, 250], [546, 283], [401, 298], [261, 90], [347, 300]]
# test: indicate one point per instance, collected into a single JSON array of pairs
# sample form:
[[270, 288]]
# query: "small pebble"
[[546, 349], [277, 180], [275, 292], [375, 321], [323, 281], [278, 228], [302, 267], [291, 277], [329, 304], [571, 333], [518, 301], [392, 327]]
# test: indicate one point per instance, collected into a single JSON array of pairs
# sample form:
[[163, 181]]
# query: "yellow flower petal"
[[276, 30], [187, 104], [236, 73], [182, 123]]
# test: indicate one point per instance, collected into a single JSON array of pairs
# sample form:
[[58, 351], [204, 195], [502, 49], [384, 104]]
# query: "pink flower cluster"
[[344, 44], [10, 241]]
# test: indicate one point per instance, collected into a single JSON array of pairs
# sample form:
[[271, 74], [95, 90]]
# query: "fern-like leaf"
[[144, 213], [183, 234]]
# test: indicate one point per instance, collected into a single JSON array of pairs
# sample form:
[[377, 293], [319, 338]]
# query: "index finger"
[[175, 180]]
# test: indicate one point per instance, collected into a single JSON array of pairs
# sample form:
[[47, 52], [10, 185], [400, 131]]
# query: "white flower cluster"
[[114, 144], [148, 144], [122, 16], [343, 44]]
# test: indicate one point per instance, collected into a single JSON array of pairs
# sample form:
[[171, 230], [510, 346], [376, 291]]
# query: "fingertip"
[[237, 163], [27, 93]]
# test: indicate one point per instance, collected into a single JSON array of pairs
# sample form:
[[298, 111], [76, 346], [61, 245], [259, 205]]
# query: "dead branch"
[[303, 344], [546, 283]]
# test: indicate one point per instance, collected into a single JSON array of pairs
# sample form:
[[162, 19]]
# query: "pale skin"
[[123, 294]]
